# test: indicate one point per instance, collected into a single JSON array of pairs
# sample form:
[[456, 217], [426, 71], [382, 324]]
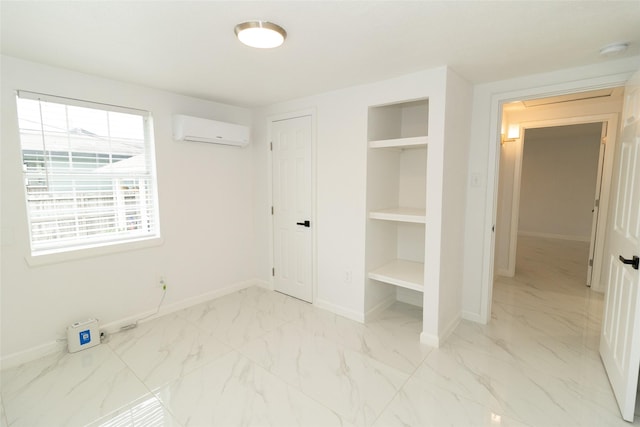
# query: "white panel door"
[[292, 196], [596, 205], [620, 336]]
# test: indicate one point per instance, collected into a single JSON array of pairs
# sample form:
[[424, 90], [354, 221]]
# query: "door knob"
[[635, 261], [307, 223]]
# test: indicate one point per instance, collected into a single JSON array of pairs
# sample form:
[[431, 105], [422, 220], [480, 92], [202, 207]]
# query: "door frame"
[[314, 229], [498, 99], [605, 184]]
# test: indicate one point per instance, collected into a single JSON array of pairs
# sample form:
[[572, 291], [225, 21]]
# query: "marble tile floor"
[[260, 358]]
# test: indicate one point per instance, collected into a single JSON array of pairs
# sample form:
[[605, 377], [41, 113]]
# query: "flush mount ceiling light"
[[614, 49], [260, 34]]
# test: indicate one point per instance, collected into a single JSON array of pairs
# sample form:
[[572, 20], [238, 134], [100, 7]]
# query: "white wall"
[[206, 212], [219, 235], [485, 132], [558, 183], [454, 192], [341, 168], [341, 176]]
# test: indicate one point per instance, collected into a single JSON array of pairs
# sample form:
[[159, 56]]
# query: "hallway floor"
[[257, 357]]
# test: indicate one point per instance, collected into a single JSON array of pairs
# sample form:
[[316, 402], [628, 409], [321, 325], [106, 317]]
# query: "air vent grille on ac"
[[196, 129]]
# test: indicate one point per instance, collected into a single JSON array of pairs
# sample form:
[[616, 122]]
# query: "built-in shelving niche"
[[396, 201]]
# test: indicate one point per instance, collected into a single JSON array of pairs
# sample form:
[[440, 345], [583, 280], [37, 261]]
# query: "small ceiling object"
[[614, 49], [260, 34]]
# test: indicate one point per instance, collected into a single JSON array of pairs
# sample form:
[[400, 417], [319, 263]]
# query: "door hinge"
[[273, 271], [271, 210], [591, 262], [597, 203], [271, 146]]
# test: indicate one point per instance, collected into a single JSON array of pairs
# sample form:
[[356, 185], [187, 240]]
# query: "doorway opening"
[[554, 175], [618, 238], [559, 188]]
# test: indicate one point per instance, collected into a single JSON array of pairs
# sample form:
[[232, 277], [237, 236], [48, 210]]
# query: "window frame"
[[76, 248]]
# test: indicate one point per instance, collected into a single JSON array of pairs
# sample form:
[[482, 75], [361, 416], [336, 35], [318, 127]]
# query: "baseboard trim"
[[430, 340], [554, 236], [437, 341], [339, 310], [380, 307], [264, 284], [448, 331], [177, 306], [472, 317], [409, 296], [17, 359], [504, 272]]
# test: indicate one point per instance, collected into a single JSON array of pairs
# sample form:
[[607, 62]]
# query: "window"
[[88, 172]]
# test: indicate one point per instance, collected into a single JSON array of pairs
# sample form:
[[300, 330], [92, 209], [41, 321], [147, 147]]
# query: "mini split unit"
[[195, 129]]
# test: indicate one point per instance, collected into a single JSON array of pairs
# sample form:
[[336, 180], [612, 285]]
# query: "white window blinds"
[[89, 173]]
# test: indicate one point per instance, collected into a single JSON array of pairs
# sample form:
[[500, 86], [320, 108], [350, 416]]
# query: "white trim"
[[472, 317], [115, 326], [409, 296], [554, 236], [57, 99], [515, 204], [593, 236], [21, 357], [264, 284], [380, 307], [430, 340], [437, 341], [16, 359], [91, 252], [504, 272], [497, 99], [449, 329], [340, 311]]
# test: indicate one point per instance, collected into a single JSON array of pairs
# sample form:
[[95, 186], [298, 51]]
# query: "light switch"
[[476, 180]]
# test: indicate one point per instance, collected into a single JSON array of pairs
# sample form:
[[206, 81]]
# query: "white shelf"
[[406, 274], [400, 143], [400, 214]]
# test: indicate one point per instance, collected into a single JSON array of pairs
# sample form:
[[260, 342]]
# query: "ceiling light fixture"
[[614, 49], [260, 34]]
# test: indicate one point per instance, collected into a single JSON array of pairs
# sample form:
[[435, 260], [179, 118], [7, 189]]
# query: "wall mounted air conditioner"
[[195, 129]]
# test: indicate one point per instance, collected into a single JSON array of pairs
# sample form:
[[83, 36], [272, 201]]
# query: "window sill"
[[90, 252]]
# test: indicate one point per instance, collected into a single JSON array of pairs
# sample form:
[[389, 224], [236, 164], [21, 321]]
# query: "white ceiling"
[[190, 48]]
